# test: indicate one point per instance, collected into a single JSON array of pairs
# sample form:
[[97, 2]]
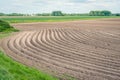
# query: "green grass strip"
[[12, 70], [26, 19]]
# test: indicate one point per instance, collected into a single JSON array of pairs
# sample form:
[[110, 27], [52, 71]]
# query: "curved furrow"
[[53, 48], [39, 54], [52, 62], [110, 51], [14, 52], [66, 47], [68, 68], [17, 52], [94, 42], [106, 35], [39, 58], [69, 41], [71, 45], [33, 57], [81, 40], [90, 49], [61, 42], [102, 36], [94, 35], [13, 46], [70, 49], [23, 50]]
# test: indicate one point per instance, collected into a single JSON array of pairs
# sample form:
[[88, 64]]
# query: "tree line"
[[100, 13], [59, 13]]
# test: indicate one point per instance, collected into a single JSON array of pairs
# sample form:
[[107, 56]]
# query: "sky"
[[66, 6]]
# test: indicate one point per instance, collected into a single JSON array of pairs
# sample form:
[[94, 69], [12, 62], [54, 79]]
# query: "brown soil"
[[86, 50]]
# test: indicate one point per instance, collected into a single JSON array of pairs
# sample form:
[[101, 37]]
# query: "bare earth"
[[86, 50]]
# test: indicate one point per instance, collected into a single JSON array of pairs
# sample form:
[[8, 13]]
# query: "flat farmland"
[[84, 50], [25, 19]]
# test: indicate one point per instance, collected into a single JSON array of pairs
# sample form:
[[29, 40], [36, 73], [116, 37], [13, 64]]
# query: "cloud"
[[67, 6]]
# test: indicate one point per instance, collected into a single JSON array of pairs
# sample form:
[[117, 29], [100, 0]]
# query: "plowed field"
[[86, 50]]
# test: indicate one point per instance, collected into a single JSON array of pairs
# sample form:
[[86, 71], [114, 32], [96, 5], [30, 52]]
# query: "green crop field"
[[25, 19]]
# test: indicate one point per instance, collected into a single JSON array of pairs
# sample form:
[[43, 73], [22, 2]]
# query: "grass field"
[[12, 70], [23, 19]]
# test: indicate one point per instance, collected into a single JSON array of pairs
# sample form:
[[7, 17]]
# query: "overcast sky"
[[66, 6]]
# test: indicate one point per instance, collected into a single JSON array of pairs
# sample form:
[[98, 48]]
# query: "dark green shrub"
[[118, 14], [4, 26]]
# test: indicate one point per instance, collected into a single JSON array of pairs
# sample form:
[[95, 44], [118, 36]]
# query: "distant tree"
[[15, 14], [91, 13], [105, 13], [100, 13], [57, 13], [118, 14]]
